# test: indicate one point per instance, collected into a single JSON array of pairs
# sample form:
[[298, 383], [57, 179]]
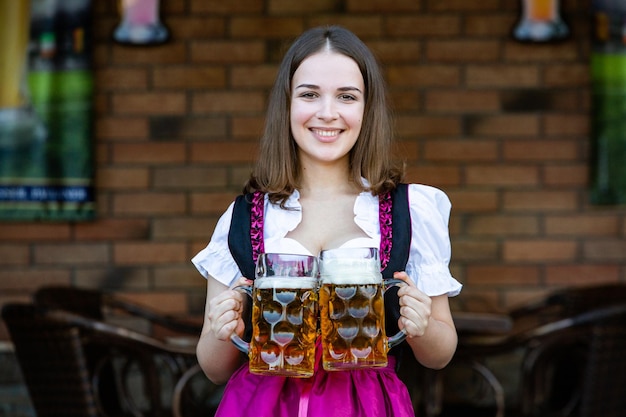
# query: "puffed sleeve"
[[430, 252], [216, 260]]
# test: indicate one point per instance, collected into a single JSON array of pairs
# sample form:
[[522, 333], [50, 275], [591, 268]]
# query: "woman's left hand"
[[415, 307]]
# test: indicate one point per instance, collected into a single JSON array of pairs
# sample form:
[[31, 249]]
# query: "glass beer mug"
[[284, 316], [352, 309]]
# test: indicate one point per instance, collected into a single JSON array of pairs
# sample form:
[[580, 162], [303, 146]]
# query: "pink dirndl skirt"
[[376, 392]]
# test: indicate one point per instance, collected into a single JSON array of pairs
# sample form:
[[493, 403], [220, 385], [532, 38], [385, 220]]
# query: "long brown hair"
[[277, 170]]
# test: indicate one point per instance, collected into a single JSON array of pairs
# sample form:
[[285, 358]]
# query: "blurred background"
[[504, 122]]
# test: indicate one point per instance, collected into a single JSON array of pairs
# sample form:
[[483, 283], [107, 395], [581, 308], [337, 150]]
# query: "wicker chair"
[[563, 340], [78, 366]]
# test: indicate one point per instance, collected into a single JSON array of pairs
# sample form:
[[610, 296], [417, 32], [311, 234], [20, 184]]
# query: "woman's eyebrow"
[[316, 87]]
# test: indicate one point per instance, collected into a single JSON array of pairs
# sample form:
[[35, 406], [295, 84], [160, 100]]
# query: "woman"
[[325, 162]]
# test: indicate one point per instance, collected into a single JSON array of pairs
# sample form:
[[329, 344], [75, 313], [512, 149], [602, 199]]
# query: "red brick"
[[461, 150], [482, 24], [15, 254], [184, 228], [502, 175], [228, 102], [605, 250], [199, 27], [567, 175], [574, 75], [227, 52], [226, 7], [540, 200], [421, 76], [498, 225], [211, 203], [265, 27], [119, 79], [71, 254], [122, 128], [582, 274], [539, 250], [424, 26], [149, 103], [172, 279], [28, 280], [473, 201], [428, 126], [462, 102], [150, 203], [382, 6], [396, 50], [504, 125], [246, 127], [540, 150], [162, 153], [462, 50], [584, 225], [502, 274], [577, 125], [471, 250], [15, 232], [151, 253], [438, 176], [520, 52], [112, 229], [122, 178], [170, 53], [222, 152], [180, 77], [499, 75], [259, 76], [366, 26], [189, 177], [462, 5]]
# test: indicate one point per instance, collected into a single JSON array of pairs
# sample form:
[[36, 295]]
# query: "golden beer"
[[284, 326], [352, 316]]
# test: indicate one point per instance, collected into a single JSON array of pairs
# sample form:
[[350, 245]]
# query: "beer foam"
[[350, 271], [292, 283]]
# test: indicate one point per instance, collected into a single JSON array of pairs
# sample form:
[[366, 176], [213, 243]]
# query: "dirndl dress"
[[370, 392]]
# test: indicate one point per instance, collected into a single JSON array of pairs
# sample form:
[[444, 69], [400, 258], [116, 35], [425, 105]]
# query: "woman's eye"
[[347, 97], [308, 95]]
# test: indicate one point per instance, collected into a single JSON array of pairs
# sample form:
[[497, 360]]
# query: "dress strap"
[[256, 224], [385, 220]]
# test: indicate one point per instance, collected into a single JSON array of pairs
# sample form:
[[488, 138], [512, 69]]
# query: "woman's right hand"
[[225, 310]]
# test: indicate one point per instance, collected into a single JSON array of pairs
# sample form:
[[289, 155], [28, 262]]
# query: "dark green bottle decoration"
[[608, 123]]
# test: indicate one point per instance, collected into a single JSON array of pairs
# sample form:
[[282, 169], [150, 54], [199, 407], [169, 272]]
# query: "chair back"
[[605, 372], [52, 362]]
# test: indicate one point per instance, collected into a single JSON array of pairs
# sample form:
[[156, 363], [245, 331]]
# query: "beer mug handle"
[[241, 344], [399, 337]]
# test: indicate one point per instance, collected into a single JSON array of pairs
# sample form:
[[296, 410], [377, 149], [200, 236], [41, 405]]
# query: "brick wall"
[[502, 127]]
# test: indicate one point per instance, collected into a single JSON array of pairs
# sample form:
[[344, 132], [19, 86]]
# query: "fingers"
[[225, 311], [415, 307]]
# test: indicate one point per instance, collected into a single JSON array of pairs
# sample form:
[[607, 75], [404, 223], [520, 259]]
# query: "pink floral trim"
[[385, 204], [256, 224]]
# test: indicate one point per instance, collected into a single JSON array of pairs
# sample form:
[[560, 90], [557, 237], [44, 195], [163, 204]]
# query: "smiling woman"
[[325, 179]]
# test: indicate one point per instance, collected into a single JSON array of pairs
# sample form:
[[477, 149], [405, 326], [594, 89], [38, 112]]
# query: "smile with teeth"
[[326, 133]]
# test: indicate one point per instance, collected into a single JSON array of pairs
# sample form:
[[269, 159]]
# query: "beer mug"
[[352, 309], [284, 316]]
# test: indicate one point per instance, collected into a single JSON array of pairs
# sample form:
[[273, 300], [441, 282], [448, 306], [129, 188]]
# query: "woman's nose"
[[327, 110]]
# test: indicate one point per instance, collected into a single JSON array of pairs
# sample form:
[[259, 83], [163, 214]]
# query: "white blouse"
[[429, 254]]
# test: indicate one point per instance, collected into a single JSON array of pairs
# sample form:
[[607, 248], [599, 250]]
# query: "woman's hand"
[[415, 307], [225, 311]]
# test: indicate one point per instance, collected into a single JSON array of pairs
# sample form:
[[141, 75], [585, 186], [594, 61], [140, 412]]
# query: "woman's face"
[[327, 104]]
